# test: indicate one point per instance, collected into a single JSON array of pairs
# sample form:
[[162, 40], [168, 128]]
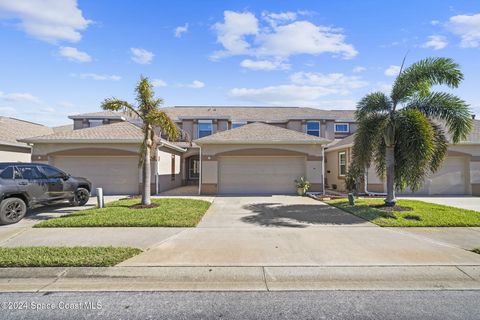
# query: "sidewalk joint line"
[[265, 279], [465, 273]]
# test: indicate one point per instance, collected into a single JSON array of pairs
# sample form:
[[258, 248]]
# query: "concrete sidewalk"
[[239, 278]]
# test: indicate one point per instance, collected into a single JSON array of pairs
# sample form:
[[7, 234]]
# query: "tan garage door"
[[116, 175], [259, 175], [449, 179]]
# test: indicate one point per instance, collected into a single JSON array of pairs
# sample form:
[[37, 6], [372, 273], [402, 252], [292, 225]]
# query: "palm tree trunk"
[[146, 171], [390, 159]]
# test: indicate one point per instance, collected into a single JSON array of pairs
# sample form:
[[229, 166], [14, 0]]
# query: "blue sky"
[[62, 57]]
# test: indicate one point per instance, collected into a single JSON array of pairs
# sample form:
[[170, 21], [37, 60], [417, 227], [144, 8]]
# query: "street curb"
[[266, 278]]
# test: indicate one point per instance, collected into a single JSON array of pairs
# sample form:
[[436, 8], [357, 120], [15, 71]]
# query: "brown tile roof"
[[67, 127], [272, 114], [100, 114], [120, 131], [260, 133], [345, 142], [12, 130]]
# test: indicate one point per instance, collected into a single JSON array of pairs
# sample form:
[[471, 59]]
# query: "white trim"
[[340, 165], [200, 173], [341, 123], [323, 141]]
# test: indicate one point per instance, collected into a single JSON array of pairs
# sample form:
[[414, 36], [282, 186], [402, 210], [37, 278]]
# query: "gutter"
[[200, 173], [164, 143]]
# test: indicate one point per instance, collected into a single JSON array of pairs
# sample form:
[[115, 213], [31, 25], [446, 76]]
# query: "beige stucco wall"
[[210, 154], [164, 164], [14, 154], [295, 125], [213, 149], [331, 168], [222, 125]]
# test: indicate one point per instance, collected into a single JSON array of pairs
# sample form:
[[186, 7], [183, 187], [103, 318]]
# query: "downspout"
[[157, 186], [200, 173], [323, 170]]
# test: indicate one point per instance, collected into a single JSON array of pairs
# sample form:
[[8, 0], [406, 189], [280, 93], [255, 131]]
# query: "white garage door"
[[449, 179], [116, 175], [259, 175]]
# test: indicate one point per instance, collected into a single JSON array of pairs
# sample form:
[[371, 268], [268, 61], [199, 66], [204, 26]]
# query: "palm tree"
[[147, 109], [405, 133]]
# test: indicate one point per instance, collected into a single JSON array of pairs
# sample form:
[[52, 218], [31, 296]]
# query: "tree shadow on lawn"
[[297, 216]]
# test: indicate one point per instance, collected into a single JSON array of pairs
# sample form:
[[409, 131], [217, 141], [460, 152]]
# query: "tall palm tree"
[[405, 133], [146, 109]]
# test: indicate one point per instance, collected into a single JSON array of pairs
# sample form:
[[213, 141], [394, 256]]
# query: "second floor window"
[[313, 128], [205, 128], [342, 127]]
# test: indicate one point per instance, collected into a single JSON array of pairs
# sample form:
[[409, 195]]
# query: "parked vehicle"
[[27, 185]]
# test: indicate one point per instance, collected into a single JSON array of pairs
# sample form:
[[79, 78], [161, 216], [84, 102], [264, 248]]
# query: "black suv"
[[25, 185]]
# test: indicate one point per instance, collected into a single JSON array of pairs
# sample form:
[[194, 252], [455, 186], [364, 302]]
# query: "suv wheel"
[[12, 210], [81, 197]]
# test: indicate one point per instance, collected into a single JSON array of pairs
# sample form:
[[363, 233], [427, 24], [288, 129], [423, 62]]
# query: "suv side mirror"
[[66, 176]]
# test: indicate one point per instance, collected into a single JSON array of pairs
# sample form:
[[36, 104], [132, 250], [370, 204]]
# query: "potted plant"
[[302, 186]]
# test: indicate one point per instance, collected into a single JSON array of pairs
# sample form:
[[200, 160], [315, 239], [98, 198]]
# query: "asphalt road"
[[243, 305]]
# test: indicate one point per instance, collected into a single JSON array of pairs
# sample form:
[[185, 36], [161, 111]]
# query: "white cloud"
[[73, 54], [96, 76], [282, 94], [305, 88], [384, 87], [47, 20], [436, 42], [232, 32], [277, 18], [359, 69], [264, 65], [7, 110], [180, 30], [434, 22], [240, 34], [19, 97], [196, 84], [392, 71], [158, 83], [338, 81], [468, 28], [141, 56]]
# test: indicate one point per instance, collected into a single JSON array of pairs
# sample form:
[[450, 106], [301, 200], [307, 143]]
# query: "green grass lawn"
[[169, 213], [424, 214], [65, 256]]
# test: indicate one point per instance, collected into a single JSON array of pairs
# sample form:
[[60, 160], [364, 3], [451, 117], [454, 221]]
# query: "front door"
[[193, 168]]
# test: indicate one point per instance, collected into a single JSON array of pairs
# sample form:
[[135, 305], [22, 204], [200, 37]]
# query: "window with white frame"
[[236, 124], [342, 163], [342, 127], [205, 128], [313, 128]]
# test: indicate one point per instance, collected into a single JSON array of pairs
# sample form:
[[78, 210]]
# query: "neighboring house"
[[224, 150], [11, 130], [459, 174]]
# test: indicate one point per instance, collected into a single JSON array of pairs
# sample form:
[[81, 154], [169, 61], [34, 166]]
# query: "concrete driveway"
[[294, 231], [463, 202]]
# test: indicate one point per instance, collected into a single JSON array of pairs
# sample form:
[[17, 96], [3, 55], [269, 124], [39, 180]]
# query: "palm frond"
[[367, 138], [114, 104], [445, 107], [145, 96], [420, 76], [414, 148], [440, 145], [376, 102], [161, 119]]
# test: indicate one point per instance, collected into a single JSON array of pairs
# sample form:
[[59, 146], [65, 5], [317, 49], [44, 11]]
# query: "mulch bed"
[[390, 209], [141, 206]]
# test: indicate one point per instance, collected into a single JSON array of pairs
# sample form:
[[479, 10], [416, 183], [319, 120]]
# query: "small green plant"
[[354, 179], [302, 186]]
